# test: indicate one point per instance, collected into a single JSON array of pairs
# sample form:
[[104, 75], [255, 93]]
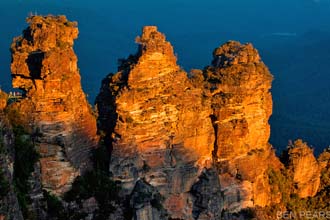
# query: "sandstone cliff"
[[182, 146], [238, 84], [324, 190], [303, 183], [164, 121], [54, 108], [305, 169], [163, 134]]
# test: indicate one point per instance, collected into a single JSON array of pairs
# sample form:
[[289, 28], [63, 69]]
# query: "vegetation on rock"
[[25, 158]]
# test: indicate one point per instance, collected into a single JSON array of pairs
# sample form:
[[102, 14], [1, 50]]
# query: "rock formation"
[[53, 108], [238, 85], [163, 134], [324, 159], [182, 146], [324, 162], [3, 100], [305, 169]]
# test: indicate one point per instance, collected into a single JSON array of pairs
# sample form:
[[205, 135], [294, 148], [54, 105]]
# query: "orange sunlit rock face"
[[305, 169], [163, 132], [238, 85], [161, 105], [3, 100], [241, 99], [54, 107]]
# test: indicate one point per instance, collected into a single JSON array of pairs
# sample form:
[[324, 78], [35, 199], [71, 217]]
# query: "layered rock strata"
[[238, 85], [53, 108], [304, 168], [163, 133]]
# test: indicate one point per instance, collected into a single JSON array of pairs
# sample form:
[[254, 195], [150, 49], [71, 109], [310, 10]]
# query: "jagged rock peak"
[[162, 132], [324, 159], [155, 57], [305, 168], [53, 105], [47, 32], [152, 41], [31, 50], [233, 52], [238, 85]]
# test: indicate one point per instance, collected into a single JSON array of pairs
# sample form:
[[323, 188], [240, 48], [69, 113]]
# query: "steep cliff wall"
[[238, 85], [163, 134], [53, 108]]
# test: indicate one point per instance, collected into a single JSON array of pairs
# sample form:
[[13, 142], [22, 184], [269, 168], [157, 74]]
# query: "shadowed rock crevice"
[[106, 100], [27, 34], [215, 127], [34, 62]]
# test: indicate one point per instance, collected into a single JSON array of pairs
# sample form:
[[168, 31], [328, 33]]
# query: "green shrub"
[[95, 184], [25, 158], [4, 185], [57, 211], [296, 204], [157, 201], [62, 45], [129, 119], [14, 117], [282, 182], [54, 205], [101, 157]]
